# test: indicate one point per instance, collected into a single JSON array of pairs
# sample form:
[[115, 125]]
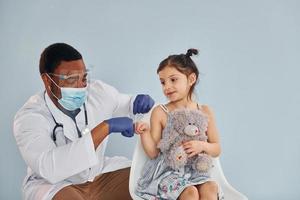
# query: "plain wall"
[[249, 64]]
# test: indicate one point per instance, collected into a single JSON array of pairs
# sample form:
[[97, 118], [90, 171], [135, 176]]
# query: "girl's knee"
[[209, 187], [190, 192]]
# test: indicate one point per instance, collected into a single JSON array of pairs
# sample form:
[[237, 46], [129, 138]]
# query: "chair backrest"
[[138, 160]]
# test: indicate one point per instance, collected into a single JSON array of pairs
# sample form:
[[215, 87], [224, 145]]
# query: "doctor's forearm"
[[99, 133]]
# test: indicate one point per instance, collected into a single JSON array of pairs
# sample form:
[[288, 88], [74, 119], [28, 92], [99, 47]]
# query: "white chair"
[[139, 159]]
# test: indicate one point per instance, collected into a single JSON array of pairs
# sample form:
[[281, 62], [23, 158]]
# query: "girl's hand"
[[194, 147], [141, 127]]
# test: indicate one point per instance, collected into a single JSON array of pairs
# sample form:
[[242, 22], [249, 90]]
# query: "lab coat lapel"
[[69, 128], [80, 119]]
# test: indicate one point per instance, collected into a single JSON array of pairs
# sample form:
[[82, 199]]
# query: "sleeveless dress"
[[160, 182]]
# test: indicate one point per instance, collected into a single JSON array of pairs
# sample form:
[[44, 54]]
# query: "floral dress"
[[161, 182]]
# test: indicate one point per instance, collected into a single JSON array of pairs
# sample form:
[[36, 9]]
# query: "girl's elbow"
[[214, 150], [217, 153], [152, 155]]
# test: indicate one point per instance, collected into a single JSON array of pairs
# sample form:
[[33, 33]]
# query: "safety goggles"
[[72, 80]]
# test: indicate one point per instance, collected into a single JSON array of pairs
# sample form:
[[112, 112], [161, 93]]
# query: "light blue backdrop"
[[249, 60]]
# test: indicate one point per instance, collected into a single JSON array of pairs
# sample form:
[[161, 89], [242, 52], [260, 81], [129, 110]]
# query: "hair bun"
[[191, 52]]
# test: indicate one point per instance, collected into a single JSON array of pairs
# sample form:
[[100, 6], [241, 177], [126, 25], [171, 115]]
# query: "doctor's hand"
[[123, 125], [142, 104]]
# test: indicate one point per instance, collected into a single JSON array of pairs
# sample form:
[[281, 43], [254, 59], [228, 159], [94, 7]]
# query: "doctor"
[[62, 132]]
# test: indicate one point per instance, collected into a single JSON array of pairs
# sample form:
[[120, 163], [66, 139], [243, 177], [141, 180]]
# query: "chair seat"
[[139, 159]]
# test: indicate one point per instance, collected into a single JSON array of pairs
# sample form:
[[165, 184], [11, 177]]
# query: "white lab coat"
[[52, 167]]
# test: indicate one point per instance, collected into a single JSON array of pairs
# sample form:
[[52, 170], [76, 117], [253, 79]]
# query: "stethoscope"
[[59, 125]]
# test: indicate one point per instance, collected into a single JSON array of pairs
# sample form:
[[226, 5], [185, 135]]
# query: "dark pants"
[[108, 186]]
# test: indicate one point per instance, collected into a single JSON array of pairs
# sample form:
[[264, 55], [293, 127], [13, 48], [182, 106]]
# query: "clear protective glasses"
[[73, 80]]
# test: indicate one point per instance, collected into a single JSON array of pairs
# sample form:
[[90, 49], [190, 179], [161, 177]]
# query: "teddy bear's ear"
[[178, 120], [193, 116], [175, 115]]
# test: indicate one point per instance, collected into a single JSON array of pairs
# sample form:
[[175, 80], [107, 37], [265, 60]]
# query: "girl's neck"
[[183, 103]]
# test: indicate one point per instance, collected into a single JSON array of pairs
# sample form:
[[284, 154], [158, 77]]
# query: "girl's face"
[[175, 84]]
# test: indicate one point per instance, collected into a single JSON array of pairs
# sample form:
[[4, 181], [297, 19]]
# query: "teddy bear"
[[185, 125]]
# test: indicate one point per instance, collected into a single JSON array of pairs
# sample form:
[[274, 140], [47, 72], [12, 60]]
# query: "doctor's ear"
[[45, 79]]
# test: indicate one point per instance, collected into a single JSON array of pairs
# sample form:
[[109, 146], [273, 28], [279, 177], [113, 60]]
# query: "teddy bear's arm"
[[171, 137]]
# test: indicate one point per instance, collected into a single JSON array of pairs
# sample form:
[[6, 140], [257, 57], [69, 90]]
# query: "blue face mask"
[[71, 98]]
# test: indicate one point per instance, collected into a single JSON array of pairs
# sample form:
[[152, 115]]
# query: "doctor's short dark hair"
[[52, 56]]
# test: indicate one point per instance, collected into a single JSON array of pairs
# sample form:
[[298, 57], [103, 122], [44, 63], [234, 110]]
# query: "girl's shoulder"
[[159, 116], [159, 111], [160, 108], [206, 109]]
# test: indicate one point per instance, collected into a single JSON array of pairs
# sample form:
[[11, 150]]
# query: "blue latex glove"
[[142, 104], [121, 124]]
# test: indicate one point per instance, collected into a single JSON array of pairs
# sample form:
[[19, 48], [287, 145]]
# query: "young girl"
[[178, 75]]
